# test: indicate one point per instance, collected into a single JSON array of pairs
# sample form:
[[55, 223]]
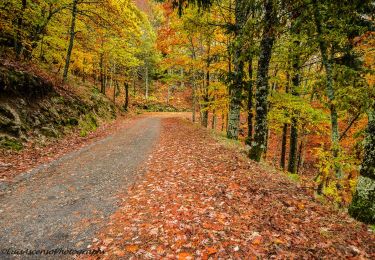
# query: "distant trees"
[[102, 39]]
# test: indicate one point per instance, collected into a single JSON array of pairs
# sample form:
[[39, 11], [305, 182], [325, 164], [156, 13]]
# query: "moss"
[[362, 207], [294, 177], [87, 124], [10, 143]]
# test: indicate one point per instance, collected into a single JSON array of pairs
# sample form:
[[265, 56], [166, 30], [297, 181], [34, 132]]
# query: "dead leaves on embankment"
[[201, 200]]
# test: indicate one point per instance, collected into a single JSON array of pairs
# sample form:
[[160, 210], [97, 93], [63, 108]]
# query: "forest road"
[[64, 204]]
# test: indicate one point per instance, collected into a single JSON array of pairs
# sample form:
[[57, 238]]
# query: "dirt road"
[[64, 203]]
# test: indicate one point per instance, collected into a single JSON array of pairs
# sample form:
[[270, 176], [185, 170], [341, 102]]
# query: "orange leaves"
[[132, 248], [209, 252], [184, 256], [193, 203], [213, 226]]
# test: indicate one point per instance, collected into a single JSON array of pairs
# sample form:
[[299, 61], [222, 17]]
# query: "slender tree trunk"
[[293, 148], [214, 119], [363, 203], [285, 131], [102, 79], [327, 63], [206, 100], [182, 83], [114, 92], [71, 39], [146, 76], [283, 146], [126, 104], [18, 41], [250, 114], [258, 146], [222, 121], [194, 100], [133, 81]]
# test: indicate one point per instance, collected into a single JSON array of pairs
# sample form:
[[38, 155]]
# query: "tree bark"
[[102, 79], [194, 100], [146, 78], [206, 100], [126, 104], [18, 41], [235, 90], [258, 146], [327, 63], [71, 39], [283, 146], [250, 114]]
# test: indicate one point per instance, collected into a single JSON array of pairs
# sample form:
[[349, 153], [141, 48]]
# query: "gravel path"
[[63, 204]]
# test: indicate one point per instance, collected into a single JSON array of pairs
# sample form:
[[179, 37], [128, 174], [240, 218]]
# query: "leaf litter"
[[200, 200]]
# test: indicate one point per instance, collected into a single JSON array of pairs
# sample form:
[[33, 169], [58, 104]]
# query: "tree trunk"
[[114, 92], [206, 100], [283, 146], [214, 119], [250, 114], [71, 39], [363, 203], [285, 132], [133, 81], [327, 63], [235, 89], [146, 77], [194, 100], [126, 104], [18, 41], [102, 79], [258, 146], [182, 83]]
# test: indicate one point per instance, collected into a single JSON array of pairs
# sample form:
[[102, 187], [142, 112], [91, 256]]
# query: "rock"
[[49, 132], [10, 122]]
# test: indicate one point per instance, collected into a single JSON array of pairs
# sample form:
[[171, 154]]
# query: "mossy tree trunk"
[[327, 62], [18, 41], [72, 34], [258, 146], [235, 89], [250, 114], [363, 203]]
